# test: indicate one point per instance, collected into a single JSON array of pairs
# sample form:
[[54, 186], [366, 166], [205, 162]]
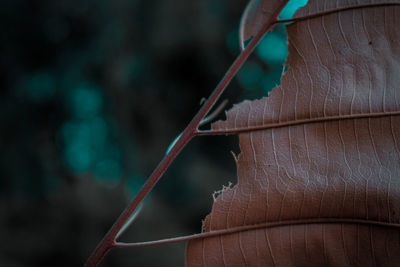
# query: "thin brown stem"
[[191, 131], [244, 228]]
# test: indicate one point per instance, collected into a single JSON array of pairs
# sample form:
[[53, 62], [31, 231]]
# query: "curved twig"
[[254, 227]]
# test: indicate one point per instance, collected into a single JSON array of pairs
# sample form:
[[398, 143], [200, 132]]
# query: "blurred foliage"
[[93, 93]]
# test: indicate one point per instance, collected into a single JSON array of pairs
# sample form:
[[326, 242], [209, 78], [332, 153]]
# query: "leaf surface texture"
[[321, 151]]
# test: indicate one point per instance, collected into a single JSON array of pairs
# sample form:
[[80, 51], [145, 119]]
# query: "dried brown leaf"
[[319, 172]]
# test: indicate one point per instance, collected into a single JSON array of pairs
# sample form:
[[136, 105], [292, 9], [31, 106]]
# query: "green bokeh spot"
[[271, 79], [85, 101], [250, 75], [41, 87], [289, 10], [273, 48], [78, 157], [78, 151], [88, 147]]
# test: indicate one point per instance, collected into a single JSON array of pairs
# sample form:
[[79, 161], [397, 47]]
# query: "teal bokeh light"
[[85, 101], [271, 79], [88, 146], [78, 157], [41, 86], [78, 150], [291, 8], [273, 48], [250, 75]]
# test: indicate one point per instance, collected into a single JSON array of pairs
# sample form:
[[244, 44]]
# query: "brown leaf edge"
[[232, 230]]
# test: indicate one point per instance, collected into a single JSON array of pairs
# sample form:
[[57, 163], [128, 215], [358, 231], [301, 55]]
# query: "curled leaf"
[[256, 14]]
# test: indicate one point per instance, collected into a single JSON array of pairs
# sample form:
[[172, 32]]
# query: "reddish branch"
[[192, 130]]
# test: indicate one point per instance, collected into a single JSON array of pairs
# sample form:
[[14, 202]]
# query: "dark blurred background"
[[92, 94]]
